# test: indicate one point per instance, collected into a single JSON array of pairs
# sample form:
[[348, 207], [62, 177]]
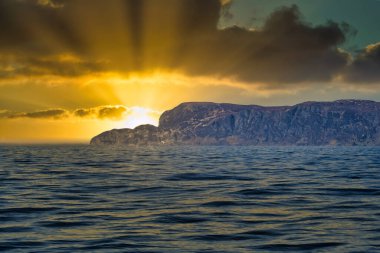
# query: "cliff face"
[[343, 122]]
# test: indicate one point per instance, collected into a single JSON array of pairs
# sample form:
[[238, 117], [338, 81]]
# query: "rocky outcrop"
[[342, 122]]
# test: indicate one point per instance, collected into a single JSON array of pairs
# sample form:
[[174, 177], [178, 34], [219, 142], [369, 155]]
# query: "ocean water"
[[78, 198]]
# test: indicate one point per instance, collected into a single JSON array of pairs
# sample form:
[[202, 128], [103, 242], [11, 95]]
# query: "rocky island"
[[342, 122]]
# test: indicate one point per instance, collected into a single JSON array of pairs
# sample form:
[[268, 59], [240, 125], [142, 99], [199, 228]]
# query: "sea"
[[80, 198]]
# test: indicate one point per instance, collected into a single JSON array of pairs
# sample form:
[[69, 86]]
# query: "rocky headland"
[[342, 122]]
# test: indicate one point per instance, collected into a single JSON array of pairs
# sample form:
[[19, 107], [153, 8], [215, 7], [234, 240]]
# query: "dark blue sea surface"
[[78, 198]]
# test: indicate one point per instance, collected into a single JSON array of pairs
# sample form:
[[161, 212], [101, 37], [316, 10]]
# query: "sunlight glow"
[[139, 116]]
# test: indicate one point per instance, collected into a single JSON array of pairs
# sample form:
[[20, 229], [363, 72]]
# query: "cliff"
[[342, 122]]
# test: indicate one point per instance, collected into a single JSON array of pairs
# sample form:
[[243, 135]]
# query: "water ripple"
[[73, 198]]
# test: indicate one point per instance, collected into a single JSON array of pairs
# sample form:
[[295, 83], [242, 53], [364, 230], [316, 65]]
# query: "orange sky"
[[76, 69]]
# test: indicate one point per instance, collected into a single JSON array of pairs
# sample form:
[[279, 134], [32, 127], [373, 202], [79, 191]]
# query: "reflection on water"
[[189, 199]]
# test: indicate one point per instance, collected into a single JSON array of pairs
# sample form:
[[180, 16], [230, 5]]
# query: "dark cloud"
[[51, 3], [28, 27], [112, 112], [365, 68], [144, 35], [85, 113], [58, 65], [285, 50], [46, 114], [103, 112]]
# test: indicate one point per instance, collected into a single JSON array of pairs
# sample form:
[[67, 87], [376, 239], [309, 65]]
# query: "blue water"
[[77, 198]]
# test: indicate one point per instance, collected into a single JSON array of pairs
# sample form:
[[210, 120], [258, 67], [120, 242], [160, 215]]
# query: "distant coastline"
[[342, 122]]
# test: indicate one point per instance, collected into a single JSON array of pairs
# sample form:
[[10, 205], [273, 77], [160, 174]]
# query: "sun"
[[136, 116]]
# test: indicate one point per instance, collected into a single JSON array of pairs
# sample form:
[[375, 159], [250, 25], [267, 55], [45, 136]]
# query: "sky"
[[70, 69]]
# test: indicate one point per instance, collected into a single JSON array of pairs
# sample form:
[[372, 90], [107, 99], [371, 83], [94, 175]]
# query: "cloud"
[[50, 3], [112, 112], [285, 50], [45, 114], [63, 65], [117, 115], [102, 112], [129, 116], [85, 113], [129, 36], [365, 68]]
